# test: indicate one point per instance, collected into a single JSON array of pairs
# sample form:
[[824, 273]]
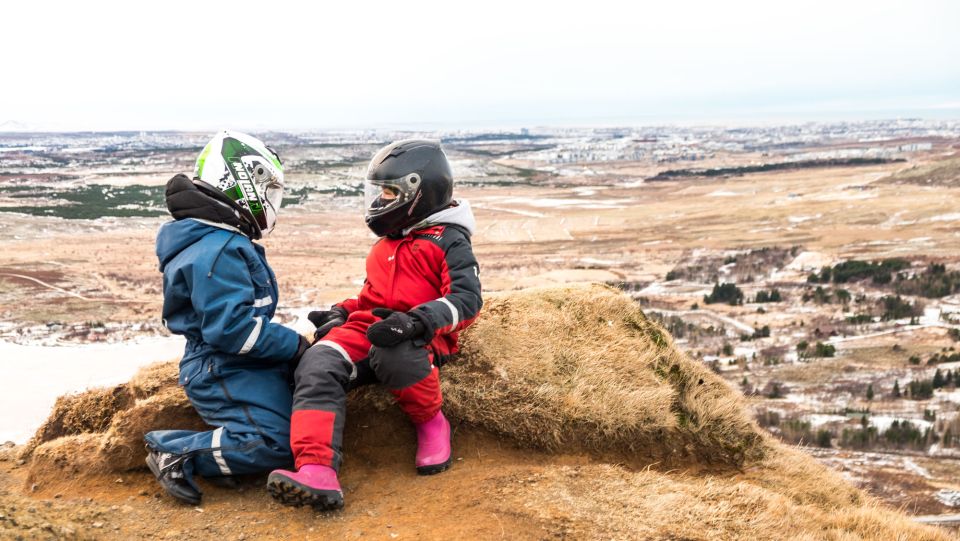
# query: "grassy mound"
[[580, 368], [577, 368]]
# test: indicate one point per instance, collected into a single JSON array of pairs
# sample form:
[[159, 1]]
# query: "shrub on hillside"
[[768, 296], [935, 282], [728, 293]]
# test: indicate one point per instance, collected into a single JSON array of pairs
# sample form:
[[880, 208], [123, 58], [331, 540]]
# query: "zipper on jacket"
[[393, 273]]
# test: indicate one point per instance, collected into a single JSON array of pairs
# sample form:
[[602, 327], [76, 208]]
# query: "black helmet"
[[407, 181]]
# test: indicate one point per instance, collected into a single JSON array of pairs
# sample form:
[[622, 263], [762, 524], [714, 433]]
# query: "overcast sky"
[[303, 65]]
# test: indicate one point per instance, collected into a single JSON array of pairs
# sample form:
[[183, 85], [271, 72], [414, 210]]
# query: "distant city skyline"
[[284, 66]]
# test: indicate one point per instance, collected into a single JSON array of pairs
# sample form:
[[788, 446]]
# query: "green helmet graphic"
[[247, 171]]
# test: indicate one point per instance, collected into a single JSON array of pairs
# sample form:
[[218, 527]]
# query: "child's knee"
[[320, 364], [400, 366]]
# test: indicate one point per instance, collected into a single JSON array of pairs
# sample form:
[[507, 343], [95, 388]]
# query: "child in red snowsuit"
[[422, 288]]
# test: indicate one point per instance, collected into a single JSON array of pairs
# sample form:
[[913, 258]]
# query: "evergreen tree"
[[870, 392], [896, 388], [842, 295], [937, 379]]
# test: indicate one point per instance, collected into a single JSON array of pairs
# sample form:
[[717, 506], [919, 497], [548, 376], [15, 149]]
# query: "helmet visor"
[[382, 196], [273, 198]]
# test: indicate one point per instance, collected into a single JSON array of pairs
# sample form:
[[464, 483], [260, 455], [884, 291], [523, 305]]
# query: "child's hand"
[[395, 327], [324, 320]]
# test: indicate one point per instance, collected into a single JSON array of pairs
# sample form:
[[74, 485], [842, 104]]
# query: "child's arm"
[[224, 298], [460, 287]]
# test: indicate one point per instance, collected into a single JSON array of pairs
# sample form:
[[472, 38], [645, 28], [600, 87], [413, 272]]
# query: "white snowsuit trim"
[[252, 338], [218, 454]]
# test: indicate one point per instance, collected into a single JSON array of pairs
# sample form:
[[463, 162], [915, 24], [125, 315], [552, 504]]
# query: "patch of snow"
[[912, 466], [599, 262], [655, 288], [931, 316], [882, 422], [952, 217], [586, 191], [948, 396], [820, 419], [806, 261], [23, 149], [802, 399], [801, 219], [36, 375], [723, 193], [950, 498]]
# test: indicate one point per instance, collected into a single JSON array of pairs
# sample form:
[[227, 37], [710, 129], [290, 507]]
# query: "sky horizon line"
[[756, 119]]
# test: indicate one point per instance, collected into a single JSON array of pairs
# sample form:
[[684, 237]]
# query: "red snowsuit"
[[431, 273]]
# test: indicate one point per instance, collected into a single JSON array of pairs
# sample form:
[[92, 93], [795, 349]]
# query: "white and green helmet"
[[247, 171]]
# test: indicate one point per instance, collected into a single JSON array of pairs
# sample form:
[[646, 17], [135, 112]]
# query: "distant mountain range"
[[14, 125]]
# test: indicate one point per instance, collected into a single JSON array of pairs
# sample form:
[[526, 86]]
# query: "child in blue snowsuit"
[[220, 293]]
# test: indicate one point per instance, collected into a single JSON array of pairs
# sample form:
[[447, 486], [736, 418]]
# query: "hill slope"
[[937, 173], [575, 417]]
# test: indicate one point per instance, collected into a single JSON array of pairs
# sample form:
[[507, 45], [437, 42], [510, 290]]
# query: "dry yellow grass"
[[580, 368], [605, 501], [936, 173]]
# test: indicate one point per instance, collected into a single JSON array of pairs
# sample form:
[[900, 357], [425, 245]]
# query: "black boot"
[[168, 469]]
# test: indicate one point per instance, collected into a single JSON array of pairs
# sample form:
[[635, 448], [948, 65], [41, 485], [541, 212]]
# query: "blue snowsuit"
[[219, 292]]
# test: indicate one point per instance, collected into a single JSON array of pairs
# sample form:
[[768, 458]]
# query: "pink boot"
[[313, 485], [433, 445]]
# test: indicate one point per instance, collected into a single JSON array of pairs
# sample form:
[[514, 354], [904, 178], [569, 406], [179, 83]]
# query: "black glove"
[[395, 327], [324, 320]]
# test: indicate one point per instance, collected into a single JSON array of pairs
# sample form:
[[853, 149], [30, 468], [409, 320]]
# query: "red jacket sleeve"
[[461, 298]]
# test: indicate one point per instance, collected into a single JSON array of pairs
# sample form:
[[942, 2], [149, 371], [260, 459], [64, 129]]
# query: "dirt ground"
[[385, 499], [493, 491]]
